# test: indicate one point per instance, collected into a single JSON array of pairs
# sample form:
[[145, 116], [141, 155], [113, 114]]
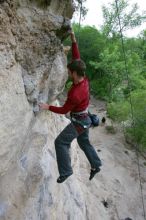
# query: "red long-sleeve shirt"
[[75, 51], [77, 99], [78, 95]]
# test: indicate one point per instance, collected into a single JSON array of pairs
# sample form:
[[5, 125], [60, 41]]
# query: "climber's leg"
[[62, 146], [84, 143]]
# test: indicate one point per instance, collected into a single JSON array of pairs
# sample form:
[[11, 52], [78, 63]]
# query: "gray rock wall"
[[33, 69]]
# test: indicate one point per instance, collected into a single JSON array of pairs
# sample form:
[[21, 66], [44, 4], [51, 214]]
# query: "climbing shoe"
[[61, 179], [93, 172]]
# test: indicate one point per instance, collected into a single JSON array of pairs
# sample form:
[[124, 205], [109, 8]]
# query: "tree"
[[79, 7], [109, 70], [129, 18]]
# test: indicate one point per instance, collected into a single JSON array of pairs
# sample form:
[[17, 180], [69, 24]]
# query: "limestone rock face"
[[33, 69], [29, 189]]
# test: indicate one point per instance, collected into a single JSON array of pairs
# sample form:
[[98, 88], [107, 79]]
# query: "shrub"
[[139, 115], [136, 114], [118, 111]]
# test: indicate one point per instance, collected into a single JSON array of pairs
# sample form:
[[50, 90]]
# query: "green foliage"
[[112, 79], [110, 68], [138, 132], [90, 42], [136, 113], [98, 89], [119, 111]]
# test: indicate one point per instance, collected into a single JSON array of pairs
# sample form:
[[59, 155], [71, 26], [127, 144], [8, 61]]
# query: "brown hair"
[[77, 65]]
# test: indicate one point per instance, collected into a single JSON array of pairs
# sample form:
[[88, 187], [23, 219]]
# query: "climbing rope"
[[132, 111], [79, 24]]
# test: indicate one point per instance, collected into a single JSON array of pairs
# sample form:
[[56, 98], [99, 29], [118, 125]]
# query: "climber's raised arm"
[[75, 49]]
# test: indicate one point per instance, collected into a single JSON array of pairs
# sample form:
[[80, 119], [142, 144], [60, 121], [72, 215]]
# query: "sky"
[[94, 15]]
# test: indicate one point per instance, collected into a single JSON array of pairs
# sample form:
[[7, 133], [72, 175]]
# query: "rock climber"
[[77, 103]]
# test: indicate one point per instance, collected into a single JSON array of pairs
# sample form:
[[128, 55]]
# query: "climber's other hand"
[[43, 106]]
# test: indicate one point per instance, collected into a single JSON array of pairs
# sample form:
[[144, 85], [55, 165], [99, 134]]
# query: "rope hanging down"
[[132, 112], [79, 25]]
